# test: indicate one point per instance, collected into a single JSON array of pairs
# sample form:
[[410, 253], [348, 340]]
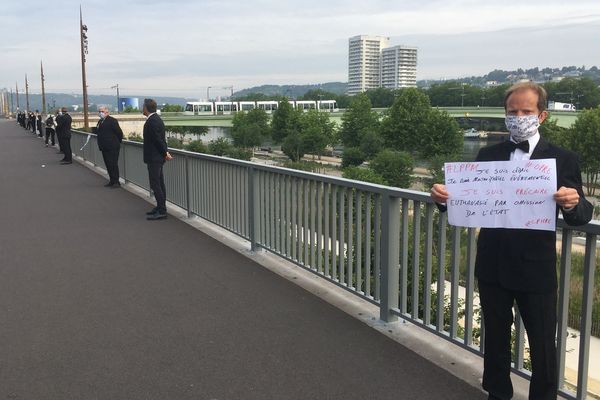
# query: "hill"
[[292, 91]]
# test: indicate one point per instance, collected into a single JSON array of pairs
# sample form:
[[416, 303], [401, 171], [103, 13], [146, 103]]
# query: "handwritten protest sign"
[[502, 194]]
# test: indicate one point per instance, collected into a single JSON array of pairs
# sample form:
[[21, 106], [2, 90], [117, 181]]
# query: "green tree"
[[550, 130], [363, 174], [284, 121], [352, 157], [317, 132], [395, 167], [293, 147], [250, 129], [381, 97], [585, 141], [442, 136], [406, 121], [172, 108], [358, 121]]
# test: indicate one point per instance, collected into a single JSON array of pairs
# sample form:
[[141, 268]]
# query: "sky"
[[180, 48]]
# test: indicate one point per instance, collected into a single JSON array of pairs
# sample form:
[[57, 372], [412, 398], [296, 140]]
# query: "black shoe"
[[115, 185], [153, 211], [157, 215], [66, 162]]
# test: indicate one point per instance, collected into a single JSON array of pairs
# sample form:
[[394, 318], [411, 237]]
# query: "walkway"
[[98, 303]]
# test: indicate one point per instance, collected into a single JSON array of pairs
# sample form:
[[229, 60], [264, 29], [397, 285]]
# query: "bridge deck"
[[98, 303]]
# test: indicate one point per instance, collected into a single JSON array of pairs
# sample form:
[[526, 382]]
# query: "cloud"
[[163, 45]]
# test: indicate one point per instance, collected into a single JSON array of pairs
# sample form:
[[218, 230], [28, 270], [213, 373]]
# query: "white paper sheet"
[[502, 194]]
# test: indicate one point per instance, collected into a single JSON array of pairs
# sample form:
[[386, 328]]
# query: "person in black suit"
[[110, 137], [63, 131], [155, 155], [38, 123], [519, 266]]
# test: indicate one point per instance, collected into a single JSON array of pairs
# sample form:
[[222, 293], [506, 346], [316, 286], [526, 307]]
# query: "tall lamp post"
[[27, 92], [118, 97], [208, 93], [17, 92], [84, 50], [43, 89]]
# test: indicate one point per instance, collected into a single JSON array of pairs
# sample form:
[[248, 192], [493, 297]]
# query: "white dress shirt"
[[519, 154]]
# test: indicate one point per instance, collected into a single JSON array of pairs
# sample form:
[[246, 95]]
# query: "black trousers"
[[60, 141], [157, 184], [50, 134], [538, 311], [66, 147], [111, 160]]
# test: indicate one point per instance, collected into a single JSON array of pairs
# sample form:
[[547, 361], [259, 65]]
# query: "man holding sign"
[[519, 264]]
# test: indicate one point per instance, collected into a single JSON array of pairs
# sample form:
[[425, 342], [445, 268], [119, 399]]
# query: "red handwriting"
[[539, 167], [538, 221], [529, 191], [461, 167]]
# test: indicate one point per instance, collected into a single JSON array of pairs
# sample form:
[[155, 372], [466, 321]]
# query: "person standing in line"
[[63, 129], [38, 123], [519, 265], [110, 137], [50, 128], [155, 154]]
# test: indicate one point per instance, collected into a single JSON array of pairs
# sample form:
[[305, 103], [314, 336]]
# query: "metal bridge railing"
[[387, 245]]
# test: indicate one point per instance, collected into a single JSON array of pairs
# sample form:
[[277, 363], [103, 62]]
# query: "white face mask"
[[102, 115], [522, 128]]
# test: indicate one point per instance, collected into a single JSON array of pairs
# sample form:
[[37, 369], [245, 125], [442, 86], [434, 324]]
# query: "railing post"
[[188, 192], [390, 257], [253, 208]]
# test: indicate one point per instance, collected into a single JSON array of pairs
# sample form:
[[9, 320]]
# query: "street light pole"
[[43, 89], [208, 93], [84, 50], [27, 92], [116, 87], [17, 91]]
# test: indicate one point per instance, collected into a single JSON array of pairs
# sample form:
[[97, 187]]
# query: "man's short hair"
[[102, 107], [64, 109], [150, 105], [538, 89]]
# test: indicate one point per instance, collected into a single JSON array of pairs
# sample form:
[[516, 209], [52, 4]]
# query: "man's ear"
[[543, 115]]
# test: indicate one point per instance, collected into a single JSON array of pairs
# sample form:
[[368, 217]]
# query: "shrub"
[[307, 166], [240, 154], [363, 174], [196, 146], [352, 157], [135, 138], [395, 166], [219, 147], [174, 143]]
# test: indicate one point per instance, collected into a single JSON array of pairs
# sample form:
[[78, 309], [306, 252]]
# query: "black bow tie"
[[524, 145]]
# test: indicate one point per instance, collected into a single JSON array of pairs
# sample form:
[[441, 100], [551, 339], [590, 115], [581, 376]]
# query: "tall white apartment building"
[[372, 64], [364, 62], [399, 67]]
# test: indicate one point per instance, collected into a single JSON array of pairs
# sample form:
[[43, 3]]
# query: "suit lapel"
[[541, 150]]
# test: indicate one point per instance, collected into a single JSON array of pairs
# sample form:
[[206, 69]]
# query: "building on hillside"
[[399, 67], [364, 62], [372, 63]]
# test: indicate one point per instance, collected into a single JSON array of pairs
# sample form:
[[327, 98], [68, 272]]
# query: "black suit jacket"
[[522, 259], [109, 134], [63, 125], [155, 143]]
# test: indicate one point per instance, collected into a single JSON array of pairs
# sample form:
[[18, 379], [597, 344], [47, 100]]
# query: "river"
[[470, 147]]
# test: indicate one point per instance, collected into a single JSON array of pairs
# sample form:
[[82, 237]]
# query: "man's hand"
[[168, 157], [439, 193], [567, 198]]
